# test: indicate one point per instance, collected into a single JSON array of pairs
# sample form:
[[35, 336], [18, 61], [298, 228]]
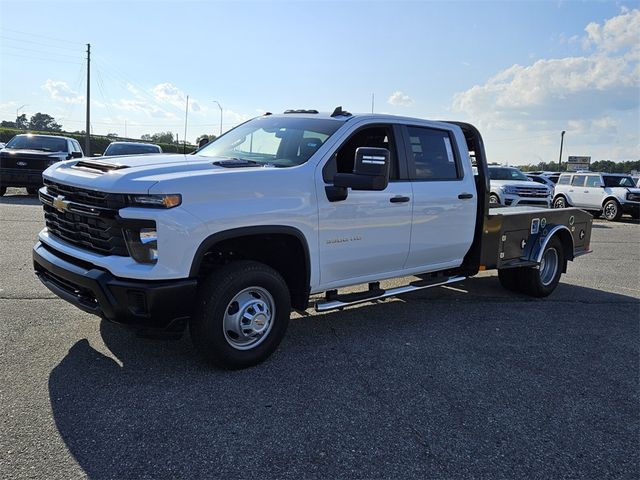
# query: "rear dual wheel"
[[538, 281]]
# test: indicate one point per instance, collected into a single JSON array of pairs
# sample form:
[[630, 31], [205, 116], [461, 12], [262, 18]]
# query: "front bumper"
[[511, 200], [161, 305], [20, 177], [631, 208]]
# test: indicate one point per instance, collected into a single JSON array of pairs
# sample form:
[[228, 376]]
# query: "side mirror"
[[370, 171], [76, 155]]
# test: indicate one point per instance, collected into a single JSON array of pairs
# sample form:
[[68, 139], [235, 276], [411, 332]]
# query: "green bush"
[[98, 142]]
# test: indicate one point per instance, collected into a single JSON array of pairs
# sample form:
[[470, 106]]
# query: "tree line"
[[608, 166], [44, 122]]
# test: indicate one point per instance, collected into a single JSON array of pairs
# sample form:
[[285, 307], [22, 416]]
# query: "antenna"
[[87, 135], [373, 96], [186, 115]]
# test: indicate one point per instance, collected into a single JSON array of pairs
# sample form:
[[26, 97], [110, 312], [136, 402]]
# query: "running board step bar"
[[335, 301]]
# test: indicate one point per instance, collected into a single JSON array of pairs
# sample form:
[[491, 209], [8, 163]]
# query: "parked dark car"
[[25, 157], [131, 148]]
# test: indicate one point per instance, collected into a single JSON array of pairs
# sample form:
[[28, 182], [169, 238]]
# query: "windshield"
[[610, 181], [130, 149], [34, 142], [507, 174], [277, 141]]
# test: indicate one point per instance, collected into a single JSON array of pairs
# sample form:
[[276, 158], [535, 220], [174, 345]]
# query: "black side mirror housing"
[[76, 155], [370, 171]]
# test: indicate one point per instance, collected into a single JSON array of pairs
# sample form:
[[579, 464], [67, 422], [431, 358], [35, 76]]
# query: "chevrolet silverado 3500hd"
[[229, 240]]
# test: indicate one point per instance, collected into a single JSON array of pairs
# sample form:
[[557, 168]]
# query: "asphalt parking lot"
[[468, 381]]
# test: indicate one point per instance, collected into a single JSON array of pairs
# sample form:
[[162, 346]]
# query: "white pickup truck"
[[229, 240]]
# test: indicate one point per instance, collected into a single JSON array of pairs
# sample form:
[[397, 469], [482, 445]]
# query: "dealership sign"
[[578, 163]]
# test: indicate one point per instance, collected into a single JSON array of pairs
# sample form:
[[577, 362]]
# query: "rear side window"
[[578, 180], [593, 181], [433, 154], [564, 180]]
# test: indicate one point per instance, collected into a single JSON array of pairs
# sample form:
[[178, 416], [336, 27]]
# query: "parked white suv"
[[607, 194], [510, 187]]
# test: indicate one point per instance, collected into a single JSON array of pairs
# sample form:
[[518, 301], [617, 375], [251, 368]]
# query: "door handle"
[[399, 199], [465, 196]]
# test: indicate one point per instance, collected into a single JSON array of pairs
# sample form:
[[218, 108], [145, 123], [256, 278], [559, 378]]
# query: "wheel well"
[[281, 251], [604, 202], [567, 246]]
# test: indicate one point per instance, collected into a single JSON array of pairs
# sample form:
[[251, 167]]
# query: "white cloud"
[[594, 97], [617, 33], [60, 91], [141, 106], [400, 99], [169, 93]]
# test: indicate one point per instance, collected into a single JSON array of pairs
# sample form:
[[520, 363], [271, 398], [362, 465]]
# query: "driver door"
[[366, 235]]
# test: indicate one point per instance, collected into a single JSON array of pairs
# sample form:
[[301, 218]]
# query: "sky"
[[521, 71]]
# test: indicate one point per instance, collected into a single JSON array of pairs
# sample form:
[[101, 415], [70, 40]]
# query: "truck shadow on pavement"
[[19, 200], [463, 381]]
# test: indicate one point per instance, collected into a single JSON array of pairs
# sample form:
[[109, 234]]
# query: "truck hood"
[[134, 173], [517, 183]]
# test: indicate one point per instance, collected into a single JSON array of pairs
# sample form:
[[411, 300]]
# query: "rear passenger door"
[[575, 193], [593, 192], [444, 198]]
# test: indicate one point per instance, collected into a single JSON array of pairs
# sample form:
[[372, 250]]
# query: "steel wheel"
[[559, 203], [549, 266], [248, 318], [493, 200]]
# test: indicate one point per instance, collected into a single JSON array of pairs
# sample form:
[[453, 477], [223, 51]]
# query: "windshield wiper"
[[232, 162]]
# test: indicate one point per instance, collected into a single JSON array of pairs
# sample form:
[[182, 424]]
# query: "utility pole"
[[87, 135], [561, 142], [125, 129], [186, 115], [220, 107]]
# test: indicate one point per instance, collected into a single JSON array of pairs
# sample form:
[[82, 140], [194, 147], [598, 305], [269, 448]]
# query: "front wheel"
[[612, 210], [542, 280], [494, 200], [560, 202], [241, 316]]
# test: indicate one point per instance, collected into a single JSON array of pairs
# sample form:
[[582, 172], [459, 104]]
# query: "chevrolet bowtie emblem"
[[60, 204]]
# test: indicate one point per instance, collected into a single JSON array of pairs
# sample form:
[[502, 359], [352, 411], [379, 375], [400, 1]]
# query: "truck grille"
[[531, 192], [114, 201], [87, 221]]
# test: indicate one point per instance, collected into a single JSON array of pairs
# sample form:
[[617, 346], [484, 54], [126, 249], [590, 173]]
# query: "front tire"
[[241, 315], [541, 281], [612, 211], [494, 200], [560, 202]]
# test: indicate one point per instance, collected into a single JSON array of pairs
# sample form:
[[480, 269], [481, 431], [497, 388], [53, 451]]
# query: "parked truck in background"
[[228, 241]]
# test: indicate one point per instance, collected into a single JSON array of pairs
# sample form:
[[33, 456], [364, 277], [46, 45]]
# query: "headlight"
[[155, 201], [510, 190], [142, 244], [633, 197]]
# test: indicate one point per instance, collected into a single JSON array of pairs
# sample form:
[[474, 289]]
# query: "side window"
[[77, 145], [432, 154], [342, 160], [593, 181], [578, 180], [538, 180], [564, 180]]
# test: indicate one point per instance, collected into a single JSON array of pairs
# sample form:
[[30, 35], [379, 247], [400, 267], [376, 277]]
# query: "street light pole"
[[220, 107], [561, 143], [18, 112]]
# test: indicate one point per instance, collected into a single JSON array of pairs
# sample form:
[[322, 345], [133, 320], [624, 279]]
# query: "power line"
[[41, 36], [40, 58], [40, 51], [20, 40]]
